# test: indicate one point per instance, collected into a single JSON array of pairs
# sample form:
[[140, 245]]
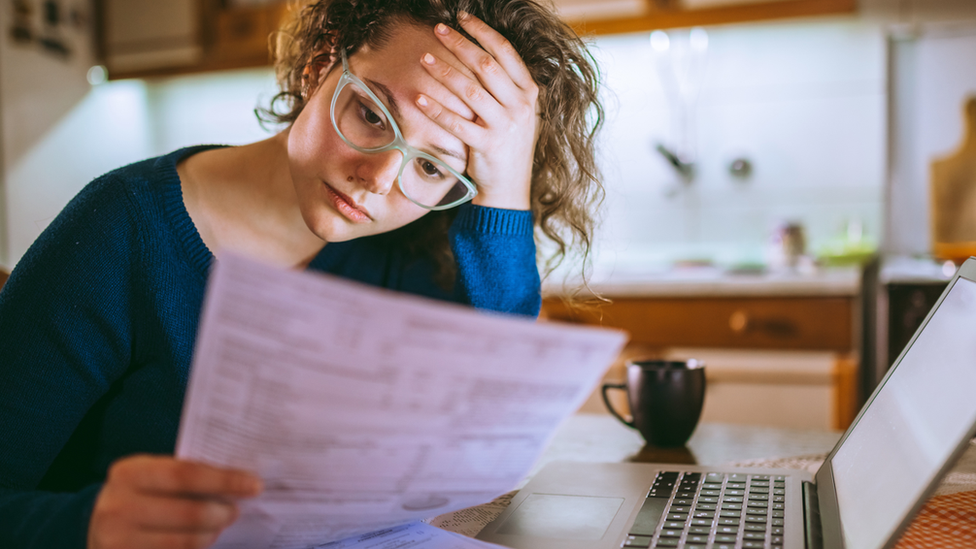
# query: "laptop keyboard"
[[711, 511]]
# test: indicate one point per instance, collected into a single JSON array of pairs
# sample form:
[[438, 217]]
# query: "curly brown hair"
[[566, 187]]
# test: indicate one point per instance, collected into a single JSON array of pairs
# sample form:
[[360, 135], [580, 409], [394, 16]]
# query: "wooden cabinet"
[[797, 323], [145, 38], [166, 37], [784, 361], [622, 16], [151, 34]]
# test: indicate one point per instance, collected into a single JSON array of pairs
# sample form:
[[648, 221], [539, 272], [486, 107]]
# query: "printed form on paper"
[[363, 408]]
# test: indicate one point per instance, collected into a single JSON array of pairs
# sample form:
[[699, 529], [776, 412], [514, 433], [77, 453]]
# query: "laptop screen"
[[912, 426]]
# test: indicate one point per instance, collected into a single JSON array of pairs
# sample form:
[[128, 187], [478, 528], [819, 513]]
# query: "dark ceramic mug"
[[665, 397]]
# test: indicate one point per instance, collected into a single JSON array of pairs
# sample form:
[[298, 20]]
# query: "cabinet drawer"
[[731, 322]]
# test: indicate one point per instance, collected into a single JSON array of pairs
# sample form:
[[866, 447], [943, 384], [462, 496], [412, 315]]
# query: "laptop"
[[913, 428]]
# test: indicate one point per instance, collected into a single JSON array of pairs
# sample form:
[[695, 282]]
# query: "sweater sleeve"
[[496, 260], [64, 337]]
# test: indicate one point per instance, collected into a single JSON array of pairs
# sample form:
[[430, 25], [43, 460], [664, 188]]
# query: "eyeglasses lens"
[[424, 179]]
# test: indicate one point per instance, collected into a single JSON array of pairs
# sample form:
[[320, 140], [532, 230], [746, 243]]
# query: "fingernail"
[[251, 485], [429, 59], [441, 28], [422, 101], [462, 15]]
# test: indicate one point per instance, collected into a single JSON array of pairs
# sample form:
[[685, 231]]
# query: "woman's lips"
[[347, 207]]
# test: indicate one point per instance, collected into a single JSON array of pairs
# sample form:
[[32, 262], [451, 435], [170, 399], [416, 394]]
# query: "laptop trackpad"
[[562, 517]]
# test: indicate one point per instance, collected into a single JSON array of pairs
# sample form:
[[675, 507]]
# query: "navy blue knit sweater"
[[98, 320]]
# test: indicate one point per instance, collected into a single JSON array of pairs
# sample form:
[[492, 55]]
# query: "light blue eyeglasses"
[[364, 123]]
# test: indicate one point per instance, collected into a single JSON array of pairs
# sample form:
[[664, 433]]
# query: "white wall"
[[805, 101], [108, 126], [935, 69]]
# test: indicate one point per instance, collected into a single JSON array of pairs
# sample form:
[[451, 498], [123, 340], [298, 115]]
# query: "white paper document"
[[363, 408], [415, 535]]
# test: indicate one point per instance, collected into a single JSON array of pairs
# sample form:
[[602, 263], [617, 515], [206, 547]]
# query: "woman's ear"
[[315, 72]]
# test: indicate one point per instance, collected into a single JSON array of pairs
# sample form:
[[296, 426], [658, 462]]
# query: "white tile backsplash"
[[805, 102]]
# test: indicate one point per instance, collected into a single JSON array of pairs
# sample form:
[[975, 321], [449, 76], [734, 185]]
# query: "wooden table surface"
[[602, 438]]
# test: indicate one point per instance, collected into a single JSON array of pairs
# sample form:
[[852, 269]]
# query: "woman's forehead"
[[396, 66]]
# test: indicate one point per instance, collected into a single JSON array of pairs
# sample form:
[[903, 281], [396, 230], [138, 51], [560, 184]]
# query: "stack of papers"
[[363, 409]]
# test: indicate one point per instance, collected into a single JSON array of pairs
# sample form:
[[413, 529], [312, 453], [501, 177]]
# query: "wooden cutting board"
[[953, 197]]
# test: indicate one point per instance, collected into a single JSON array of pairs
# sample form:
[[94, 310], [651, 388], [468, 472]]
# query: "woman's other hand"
[[159, 501], [503, 95]]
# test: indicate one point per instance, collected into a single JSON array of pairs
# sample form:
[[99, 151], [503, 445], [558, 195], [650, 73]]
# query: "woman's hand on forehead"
[[501, 92]]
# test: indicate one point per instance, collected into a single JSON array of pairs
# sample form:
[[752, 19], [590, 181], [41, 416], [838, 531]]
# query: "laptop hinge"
[[811, 516]]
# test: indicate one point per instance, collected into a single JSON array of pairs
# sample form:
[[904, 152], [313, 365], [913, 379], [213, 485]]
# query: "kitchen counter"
[[716, 282]]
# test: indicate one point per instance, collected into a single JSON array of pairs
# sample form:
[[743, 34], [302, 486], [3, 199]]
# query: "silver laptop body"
[[917, 422]]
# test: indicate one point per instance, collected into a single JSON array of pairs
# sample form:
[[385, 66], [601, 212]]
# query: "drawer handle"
[[739, 322]]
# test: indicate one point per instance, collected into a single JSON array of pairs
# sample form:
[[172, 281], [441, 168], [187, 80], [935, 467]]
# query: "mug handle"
[[606, 400]]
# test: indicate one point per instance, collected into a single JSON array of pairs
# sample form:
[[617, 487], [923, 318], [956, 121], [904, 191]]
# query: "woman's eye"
[[430, 169], [371, 117]]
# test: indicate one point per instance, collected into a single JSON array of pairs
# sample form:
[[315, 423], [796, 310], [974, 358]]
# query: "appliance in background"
[[897, 294]]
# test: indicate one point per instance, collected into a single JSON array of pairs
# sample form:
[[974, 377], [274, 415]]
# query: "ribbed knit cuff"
[[484, 219]]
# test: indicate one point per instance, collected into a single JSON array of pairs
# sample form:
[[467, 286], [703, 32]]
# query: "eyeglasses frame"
[[399, 143]]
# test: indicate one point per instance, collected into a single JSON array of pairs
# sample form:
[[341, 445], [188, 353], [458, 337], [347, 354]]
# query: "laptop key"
[[637, 541], [754, 527], [677, 516], [754, 535], [670, 533], [649, 516], [755, 519], [672, 524], [776, 531], [724, 538], [696, 539], [702, 530], [753, 544], [729, 521], [667, 542]]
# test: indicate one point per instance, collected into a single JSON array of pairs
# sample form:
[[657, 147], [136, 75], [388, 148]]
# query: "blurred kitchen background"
[[767, 163]]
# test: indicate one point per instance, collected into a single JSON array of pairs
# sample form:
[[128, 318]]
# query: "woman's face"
[[343, 193]]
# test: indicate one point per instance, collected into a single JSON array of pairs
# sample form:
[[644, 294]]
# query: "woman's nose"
[[378, 172]]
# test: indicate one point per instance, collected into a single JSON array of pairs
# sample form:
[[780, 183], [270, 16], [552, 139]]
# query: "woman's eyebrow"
[[388, 95], [395, 111]]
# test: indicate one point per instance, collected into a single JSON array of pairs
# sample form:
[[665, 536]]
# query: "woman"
[[423, 147]]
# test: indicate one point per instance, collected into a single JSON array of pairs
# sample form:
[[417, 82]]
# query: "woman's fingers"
[[487, 73], [470, 91], [467, 131], [182, 514], [165, 475], [499, 48], [159, 501]]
